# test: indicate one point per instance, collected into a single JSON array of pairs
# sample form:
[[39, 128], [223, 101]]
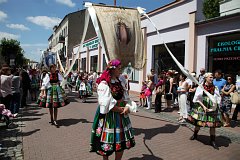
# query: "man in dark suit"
[[26, 85]]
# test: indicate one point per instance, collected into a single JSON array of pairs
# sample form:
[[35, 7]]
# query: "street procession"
[[118, 79]]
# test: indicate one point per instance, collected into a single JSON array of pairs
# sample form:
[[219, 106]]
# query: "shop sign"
[[91, 44], [227, 58], [226, 46]]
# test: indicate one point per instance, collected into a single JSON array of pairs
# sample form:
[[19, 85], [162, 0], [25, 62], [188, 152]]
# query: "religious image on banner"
[[122, 35]]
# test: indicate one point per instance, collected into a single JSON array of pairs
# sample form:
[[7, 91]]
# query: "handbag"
[[235, 98], [168, 96]]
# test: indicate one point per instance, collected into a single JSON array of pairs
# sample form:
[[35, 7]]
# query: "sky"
[[31, 21]]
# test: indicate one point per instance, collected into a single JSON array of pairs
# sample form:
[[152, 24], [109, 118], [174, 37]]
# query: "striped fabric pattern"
[[56, 97], [198, 117], [111, 132]]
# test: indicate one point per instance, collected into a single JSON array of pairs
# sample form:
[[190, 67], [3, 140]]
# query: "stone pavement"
[[158, 136], [11, 140]]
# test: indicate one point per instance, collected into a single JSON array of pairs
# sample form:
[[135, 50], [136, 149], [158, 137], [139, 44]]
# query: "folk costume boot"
[[212, 142], [194, 136]]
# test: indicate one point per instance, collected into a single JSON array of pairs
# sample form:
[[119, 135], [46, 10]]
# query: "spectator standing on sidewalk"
[[168, 89], [155, 77], [5, 89], [142, 94], [16, 101], [201, 115], [26, 85], [226, 100], [149, 90], [174, 88], [111, 130], [34, 85], [237, 109], [159, 92], [182, 98], [201, 75], [218, 80]]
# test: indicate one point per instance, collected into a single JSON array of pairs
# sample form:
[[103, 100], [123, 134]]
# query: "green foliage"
[[211, 8], [11, 49]]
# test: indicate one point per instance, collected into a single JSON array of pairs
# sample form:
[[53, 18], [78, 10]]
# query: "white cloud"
[[18, 26], [34, 51], [69, 3], [3, 1], [8, 35], [3, 16], [46, 22]]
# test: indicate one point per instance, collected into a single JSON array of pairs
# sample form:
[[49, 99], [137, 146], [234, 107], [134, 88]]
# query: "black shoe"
[[194, 136], [212, 142], [214, 145]]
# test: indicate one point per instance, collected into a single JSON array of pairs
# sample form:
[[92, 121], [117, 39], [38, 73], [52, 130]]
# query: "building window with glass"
[[133, 74], [84, 63], [94, 63], [162, 61], [224, 53]]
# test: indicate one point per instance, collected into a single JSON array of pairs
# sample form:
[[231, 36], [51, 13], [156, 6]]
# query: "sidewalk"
[[11, 140]]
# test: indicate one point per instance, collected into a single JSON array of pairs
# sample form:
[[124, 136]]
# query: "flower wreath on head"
[[113, 64], [106, 73]]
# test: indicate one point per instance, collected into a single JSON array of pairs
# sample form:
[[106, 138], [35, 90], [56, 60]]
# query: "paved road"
[[157, 136]]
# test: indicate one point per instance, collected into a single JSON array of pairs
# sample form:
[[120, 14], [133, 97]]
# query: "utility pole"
[[115, 2]]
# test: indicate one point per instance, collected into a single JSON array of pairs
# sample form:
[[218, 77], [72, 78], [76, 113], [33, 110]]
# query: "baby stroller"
[[5, 116]]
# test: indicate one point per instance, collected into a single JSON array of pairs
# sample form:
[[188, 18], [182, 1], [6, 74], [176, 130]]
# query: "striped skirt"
[[41, 101], [198, 117], [111, 132], [56, 97]]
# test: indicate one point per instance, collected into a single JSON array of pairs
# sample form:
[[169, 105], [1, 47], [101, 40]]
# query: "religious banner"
[[121, 34]]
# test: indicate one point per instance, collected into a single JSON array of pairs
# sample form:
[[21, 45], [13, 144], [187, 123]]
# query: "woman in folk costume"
[[83, 89], [201, 114], [78, 81], [56, 96], [112, 130], [44, 84]]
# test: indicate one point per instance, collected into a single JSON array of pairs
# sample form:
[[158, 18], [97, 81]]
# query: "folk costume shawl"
[[199, 93]]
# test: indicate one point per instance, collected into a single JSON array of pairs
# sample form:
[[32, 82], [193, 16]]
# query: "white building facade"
[[193, 40]]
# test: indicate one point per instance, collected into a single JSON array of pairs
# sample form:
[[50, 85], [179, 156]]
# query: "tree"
[[211, 8], [11, 49]]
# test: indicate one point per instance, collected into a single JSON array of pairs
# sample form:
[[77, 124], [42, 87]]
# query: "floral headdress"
[[106, 73], [113, 64]]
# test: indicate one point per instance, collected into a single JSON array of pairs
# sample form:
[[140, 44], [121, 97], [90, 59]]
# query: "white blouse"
[[106, 100], [199, 93], [45, 82]]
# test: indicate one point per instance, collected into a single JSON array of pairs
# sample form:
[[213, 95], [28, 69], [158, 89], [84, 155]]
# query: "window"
[[133, 74], [94, 63], [104, 65], [162, 61], [84, 63]]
